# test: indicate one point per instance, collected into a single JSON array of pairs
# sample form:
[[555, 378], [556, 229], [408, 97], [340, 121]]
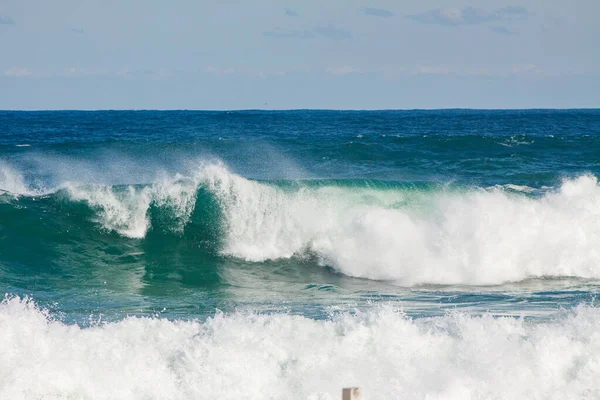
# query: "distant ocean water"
[[285, 255]]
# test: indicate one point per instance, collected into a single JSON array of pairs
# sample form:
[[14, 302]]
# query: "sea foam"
[[280, 356]]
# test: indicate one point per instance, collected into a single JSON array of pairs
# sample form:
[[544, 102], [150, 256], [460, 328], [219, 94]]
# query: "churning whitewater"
[[285, 255], [288, 357]]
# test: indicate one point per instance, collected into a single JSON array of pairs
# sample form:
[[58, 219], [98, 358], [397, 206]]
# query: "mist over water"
[[430, 254]]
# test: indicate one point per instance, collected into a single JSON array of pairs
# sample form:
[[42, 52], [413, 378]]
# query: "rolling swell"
[[408, 234]]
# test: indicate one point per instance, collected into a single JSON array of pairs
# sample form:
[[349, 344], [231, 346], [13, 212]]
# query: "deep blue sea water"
[[288, 254]]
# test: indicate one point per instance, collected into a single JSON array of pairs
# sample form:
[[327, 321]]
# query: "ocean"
[[450, 254]]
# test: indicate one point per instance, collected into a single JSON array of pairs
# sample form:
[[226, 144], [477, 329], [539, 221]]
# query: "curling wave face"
[[408, 234]]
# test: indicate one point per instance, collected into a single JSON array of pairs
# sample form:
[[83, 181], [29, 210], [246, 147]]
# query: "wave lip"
[[282, 356], [125, 210]]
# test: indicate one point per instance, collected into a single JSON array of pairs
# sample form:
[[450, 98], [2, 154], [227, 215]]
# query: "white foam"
[[518, 188], [514, 141], [265, 222], [475, 237], [123, 211], [281, 356]]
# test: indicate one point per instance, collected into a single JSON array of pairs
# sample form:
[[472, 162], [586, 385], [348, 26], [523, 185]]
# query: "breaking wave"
[[405, 233]]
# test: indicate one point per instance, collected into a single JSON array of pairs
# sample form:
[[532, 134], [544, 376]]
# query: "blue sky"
[[338, 54]]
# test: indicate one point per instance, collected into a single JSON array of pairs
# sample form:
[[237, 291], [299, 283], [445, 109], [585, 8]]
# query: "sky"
[[333, 54]]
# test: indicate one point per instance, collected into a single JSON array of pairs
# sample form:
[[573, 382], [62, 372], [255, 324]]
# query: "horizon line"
[[296, 109]]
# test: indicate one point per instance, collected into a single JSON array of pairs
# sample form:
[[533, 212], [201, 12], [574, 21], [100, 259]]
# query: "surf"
[[253, 355]]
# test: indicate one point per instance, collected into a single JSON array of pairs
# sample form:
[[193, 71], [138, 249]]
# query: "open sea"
[[287, 254]]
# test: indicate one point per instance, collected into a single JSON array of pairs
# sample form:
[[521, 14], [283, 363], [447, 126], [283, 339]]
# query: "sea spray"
[[11, 181]]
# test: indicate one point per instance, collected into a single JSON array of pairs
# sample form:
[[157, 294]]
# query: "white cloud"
[[221, 71], [469, 16], [241, 71], [18, 72], [477, 71], [127, 73], [453, 15], [344, 70], [526, 69], [436, 70]]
